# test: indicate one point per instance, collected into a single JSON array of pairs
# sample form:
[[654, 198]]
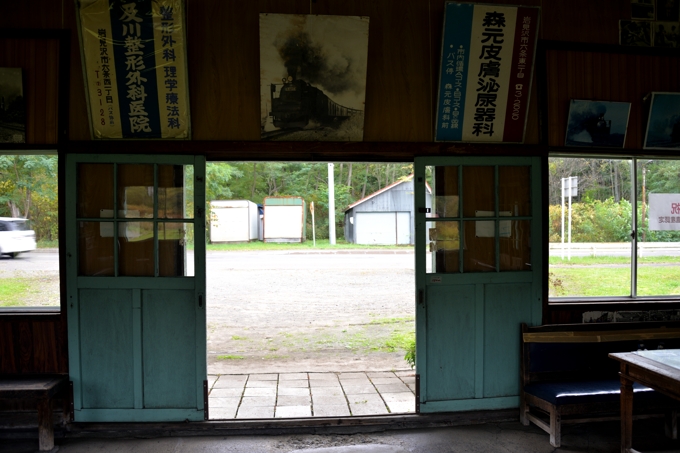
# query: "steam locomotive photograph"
[[600, 124], [296, 103], [312, 77]]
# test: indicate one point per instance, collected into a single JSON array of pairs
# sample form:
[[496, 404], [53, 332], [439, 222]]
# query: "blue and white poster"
[[134, 61], [486, 72]]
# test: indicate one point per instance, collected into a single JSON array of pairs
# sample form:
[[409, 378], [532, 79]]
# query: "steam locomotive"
[[295, 103]]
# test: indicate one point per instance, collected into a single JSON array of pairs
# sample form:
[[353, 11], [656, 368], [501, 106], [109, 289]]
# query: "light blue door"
[[136, 288], [478, 276]]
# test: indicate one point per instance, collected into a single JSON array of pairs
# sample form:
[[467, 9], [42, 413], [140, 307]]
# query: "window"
[[614, 230], [29, 231]]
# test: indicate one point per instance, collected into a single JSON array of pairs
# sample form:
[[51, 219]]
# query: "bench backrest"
[[580, 351]]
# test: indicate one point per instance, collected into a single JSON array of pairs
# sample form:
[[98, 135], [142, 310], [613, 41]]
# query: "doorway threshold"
[[311, 394]]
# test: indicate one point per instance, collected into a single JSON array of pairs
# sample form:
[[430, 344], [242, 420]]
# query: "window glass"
[[29, 232], [658, 241], [614, 228]]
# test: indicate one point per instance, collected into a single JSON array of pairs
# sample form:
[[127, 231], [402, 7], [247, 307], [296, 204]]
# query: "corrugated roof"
[[384, 189]]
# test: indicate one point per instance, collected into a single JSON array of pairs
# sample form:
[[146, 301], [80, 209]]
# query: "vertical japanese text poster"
[[486, 72], [134, 59]]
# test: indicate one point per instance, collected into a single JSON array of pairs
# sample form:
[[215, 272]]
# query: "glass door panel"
[[479, 191], [95, 189], [515, 198]]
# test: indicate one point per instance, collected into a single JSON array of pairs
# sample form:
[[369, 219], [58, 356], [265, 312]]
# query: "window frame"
[[632, 298]]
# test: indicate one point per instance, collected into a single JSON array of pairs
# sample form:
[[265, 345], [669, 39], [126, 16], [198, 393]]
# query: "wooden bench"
[[40, 390], [567, 376]]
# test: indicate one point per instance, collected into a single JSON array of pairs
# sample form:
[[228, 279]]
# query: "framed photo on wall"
[[598, 124], [663, 123], [635, 33], [313, 77], [12, 106], [642, 9]]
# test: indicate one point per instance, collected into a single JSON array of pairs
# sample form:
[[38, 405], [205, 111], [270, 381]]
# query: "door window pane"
[[173, 242], [136, 245], [95, 190], [515, 245], [479, 246], [444, 247], [446, 197], [515, 194], [479, 191], [136, 190], [95, 249]]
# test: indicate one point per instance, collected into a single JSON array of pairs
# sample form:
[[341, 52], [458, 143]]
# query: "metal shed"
[[233, 221], [385, 217], [285, 219]]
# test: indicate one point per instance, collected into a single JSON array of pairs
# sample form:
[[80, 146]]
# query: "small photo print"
[[667, 10], [666, 34], [598, 124], [635, 33], [663, 125], [642, 9], [12, 106]]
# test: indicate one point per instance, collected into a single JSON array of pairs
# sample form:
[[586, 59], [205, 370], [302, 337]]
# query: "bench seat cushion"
[[578, 392]]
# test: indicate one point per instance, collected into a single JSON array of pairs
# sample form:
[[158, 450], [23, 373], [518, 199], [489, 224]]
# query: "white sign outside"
[[664, 211]]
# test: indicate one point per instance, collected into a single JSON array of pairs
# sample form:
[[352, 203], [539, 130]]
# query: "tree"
[[28, 189]]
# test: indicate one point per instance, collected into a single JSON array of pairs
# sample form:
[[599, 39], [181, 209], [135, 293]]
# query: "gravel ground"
[[284, 312], [273, 311]]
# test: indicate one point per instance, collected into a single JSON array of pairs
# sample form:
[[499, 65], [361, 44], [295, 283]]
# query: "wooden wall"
[[404, 49], [39, 60], [611, 73], [404, 53]]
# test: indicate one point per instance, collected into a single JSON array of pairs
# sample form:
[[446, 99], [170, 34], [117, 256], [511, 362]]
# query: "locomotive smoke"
[[323, 66], [579, 119]]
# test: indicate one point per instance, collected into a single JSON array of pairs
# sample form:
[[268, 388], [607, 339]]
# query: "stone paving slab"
[[295, 395]]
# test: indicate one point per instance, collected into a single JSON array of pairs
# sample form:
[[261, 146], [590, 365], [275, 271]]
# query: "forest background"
[[600, 213]]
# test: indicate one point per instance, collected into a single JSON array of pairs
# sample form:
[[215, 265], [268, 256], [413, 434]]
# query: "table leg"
[[626, 413]]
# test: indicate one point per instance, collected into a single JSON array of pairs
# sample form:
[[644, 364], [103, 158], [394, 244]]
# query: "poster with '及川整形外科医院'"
[[134, 62], [486, 72]]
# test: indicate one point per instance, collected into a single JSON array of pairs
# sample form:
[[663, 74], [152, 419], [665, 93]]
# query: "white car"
[[15, 237]]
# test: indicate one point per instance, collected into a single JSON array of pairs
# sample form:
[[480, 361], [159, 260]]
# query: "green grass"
[[594, 281], [237, 337], [230, 357], [13, 291]]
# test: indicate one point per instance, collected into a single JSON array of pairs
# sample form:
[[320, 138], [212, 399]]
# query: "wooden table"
[[658, 369]]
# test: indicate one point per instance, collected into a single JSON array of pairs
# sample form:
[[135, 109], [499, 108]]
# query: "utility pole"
[[331, 204]]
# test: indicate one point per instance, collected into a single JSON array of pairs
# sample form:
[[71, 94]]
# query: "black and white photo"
[[635, 33], [667, 10], [597, 124], [666, 34], [312, 77]]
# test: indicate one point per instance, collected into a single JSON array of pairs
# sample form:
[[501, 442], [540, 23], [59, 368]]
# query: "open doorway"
[[299, 324]]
